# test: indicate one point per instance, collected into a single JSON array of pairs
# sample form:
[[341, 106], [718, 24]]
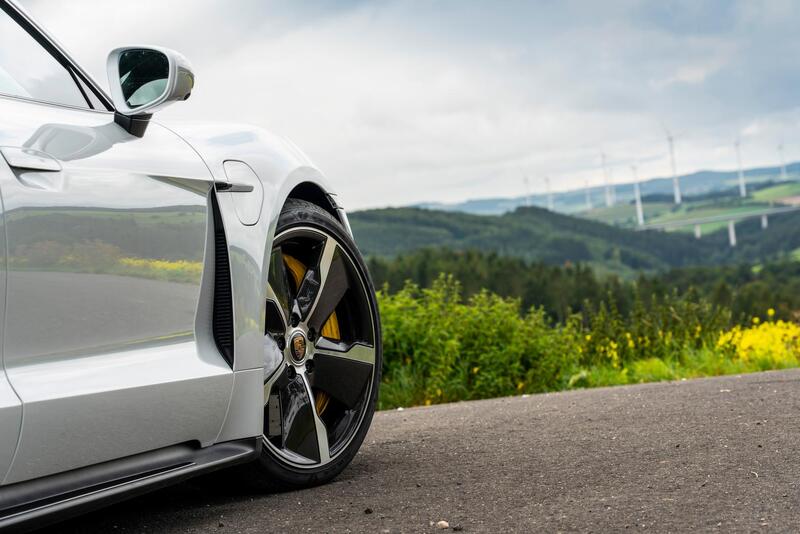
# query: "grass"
[[778, 192]]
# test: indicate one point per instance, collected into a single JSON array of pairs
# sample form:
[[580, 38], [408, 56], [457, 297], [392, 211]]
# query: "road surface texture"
[[720, 454]]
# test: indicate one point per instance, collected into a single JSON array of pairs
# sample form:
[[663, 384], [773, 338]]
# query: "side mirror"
[[144, 79]]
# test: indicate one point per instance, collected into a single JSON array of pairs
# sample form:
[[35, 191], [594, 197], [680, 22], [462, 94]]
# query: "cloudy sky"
[[406, 101]]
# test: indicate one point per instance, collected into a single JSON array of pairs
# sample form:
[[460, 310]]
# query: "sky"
[[404, 101]]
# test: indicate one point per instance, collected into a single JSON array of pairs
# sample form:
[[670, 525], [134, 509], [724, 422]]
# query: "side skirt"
[[35, 503]]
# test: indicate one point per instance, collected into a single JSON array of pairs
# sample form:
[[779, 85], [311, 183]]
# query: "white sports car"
[[174, 299]]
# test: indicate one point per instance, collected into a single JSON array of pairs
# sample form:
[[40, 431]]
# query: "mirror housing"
[[144, 79]]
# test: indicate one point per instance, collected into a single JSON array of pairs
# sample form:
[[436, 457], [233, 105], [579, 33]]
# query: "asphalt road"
[[718, 454]]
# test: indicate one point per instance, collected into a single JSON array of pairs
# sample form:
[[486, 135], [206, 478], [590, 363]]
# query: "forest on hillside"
[[537, 235], [746, 290]]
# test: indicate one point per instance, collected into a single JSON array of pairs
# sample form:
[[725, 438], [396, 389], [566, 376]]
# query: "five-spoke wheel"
[[322, 317]]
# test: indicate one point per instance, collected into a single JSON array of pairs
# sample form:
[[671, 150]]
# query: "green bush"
[[439, 347]]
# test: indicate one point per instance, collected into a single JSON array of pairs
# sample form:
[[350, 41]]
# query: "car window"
[[28, 70]]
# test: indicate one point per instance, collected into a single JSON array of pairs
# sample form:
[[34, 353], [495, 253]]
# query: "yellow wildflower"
[[777, 343]]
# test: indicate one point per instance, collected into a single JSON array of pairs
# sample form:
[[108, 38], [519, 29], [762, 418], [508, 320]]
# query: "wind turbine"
[[609, 193], [783, 162], [676, 184], [637, 193], [742, 186], [613, 187], [527, 191], [588, 195], [550, 203]]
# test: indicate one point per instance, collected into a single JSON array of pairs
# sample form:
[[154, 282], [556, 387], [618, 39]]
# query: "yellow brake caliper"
[[330, 329]]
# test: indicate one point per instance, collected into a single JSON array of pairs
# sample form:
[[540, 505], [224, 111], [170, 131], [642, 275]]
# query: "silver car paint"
[[10, 421], [281, 167], [100, 343], [246, 408], [10, 405]]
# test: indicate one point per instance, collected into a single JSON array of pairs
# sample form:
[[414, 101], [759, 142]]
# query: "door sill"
[[38, 502]]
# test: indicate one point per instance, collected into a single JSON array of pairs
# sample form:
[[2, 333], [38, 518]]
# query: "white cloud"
[[401, 102]]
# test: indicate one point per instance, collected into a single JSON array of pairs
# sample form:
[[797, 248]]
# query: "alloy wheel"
[[321, 318]]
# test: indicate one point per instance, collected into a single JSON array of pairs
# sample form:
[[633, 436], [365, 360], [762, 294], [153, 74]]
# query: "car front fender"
[[280, 168]]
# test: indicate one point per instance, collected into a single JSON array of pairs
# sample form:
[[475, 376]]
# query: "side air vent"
[[223, 299]]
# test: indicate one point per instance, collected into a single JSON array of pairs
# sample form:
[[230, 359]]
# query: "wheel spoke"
[[321, 431], [358, 352], [270, 379], [278, 288], [343, 372], [327, 284], [298, 419], [302, 431], [273, 358]]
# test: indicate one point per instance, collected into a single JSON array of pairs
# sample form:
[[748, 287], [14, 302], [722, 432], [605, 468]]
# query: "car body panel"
[[10, 405], [245, 417], [123, 403], [103, 291], [281, 167], [10, 423], [119, 205]]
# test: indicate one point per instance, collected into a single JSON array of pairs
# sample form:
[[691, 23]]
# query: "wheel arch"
[[315, 194]]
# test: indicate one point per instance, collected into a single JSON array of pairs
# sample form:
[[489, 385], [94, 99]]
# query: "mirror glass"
[[143, 76]]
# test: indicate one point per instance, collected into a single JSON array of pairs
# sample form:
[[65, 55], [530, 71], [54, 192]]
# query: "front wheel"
[[323, 328]]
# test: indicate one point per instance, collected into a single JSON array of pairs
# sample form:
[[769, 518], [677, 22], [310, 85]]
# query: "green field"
[[778, 192], [762, 196], [710, 211], [625, 214]]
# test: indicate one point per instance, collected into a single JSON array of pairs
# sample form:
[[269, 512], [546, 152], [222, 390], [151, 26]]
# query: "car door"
[[10, 405], [107, 296]]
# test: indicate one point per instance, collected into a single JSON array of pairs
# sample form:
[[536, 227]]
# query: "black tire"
[[273, 471]]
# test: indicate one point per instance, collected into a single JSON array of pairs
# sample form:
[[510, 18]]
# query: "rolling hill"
[[535, 234]]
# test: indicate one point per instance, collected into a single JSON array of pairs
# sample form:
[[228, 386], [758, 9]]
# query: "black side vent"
[[223, 300]]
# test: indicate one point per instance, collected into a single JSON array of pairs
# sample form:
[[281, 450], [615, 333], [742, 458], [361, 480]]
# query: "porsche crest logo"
[[298, 347]]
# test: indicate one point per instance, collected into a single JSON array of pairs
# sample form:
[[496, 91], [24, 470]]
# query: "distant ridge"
[[574, 201]]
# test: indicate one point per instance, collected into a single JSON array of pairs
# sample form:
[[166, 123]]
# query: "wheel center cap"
[[298, 347]]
